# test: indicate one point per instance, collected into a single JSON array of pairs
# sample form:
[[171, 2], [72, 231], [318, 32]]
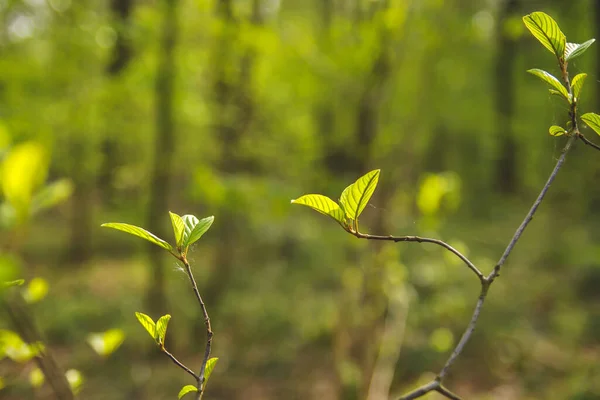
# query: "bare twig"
[[588, 142], [421, 391], [419, 239], [447, 393], [209, 332], [180, 364]]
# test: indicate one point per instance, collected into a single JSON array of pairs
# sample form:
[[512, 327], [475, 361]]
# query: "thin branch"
[[589, 143], [209, 332], [532, 211], [419, 239], [447, 393], [468, 332], [180, 364], [421, 391]]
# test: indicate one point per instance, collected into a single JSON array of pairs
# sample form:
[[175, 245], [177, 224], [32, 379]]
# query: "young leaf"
[[577, 84], [51, 195], [551, 80], [593, 121], [17, 282], [355, 197], [547, 32], [186, 389], [194, 228], [140, 232], [556, 130], [322, 204], [178, 228], [573, 50], [105, 343], [147, 323], [161, 328], [210, 366]]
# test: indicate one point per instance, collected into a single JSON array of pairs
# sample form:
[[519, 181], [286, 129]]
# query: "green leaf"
[[322, 204], [140, 232], [573, 50], [194, 228], [551, 80], [556, 130], [75, 379], [105, 343], [186, 389], [577, 84], [147, 323], [51, 195], [593, 121], [161, 328], [210, 366], [355, 197], [17, 282], [547, 32], [36, 290], [178, 228], [36, 377]]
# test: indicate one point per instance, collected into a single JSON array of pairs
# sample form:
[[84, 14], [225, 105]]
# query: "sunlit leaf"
[[105, 343], [51, 195], [36, 377], [36, 290], [573, 50], [194, 228], [355, 197], [322, 204], [18, 282], [140, 232], [161, 328], [178, 228], [577, 84], [75, 379], [13, 347], [547, 32], [186, 389], [556, 130], [551, 80], [593, 121], [147, 323], [21, 172], [210, 366]]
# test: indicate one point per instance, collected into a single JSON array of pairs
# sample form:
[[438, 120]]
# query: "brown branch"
[[421, 391], [588, 142], [209, 332], [179, 363], [447, 393], [419, 239]]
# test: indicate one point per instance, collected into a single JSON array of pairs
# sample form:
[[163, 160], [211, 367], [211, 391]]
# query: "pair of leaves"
[[157, 330], [187, 229], [548, 33], [353, 200], [208, 369]]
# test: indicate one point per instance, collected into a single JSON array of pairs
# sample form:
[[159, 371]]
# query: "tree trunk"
[[164, 144]]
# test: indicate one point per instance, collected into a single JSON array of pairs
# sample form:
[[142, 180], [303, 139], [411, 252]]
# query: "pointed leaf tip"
[[322, 204], [139, 232], [161, 328], [147, 323], [551, 80], [355, 197], [573, 50], [593, 121]]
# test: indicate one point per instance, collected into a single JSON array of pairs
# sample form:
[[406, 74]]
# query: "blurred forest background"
[[232, 108]]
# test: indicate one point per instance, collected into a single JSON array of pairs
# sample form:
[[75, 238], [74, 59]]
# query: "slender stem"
[[589, 143], [532, 211], [421, 391], [468, 332], [447, 393], [180, 364], [209, 332], [419, 239]]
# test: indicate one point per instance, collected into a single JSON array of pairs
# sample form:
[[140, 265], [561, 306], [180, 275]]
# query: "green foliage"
[[36, 290], [178, 228], [556, 130], [546, 30], [593, 121], [139, 232], [186, 389], [13, 347], [353, 201], [573, 50], [105, 343], [75, 379], [577, 84], [194, 229], [161, 328], [147, 323], [210, 366], [551, 80]]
